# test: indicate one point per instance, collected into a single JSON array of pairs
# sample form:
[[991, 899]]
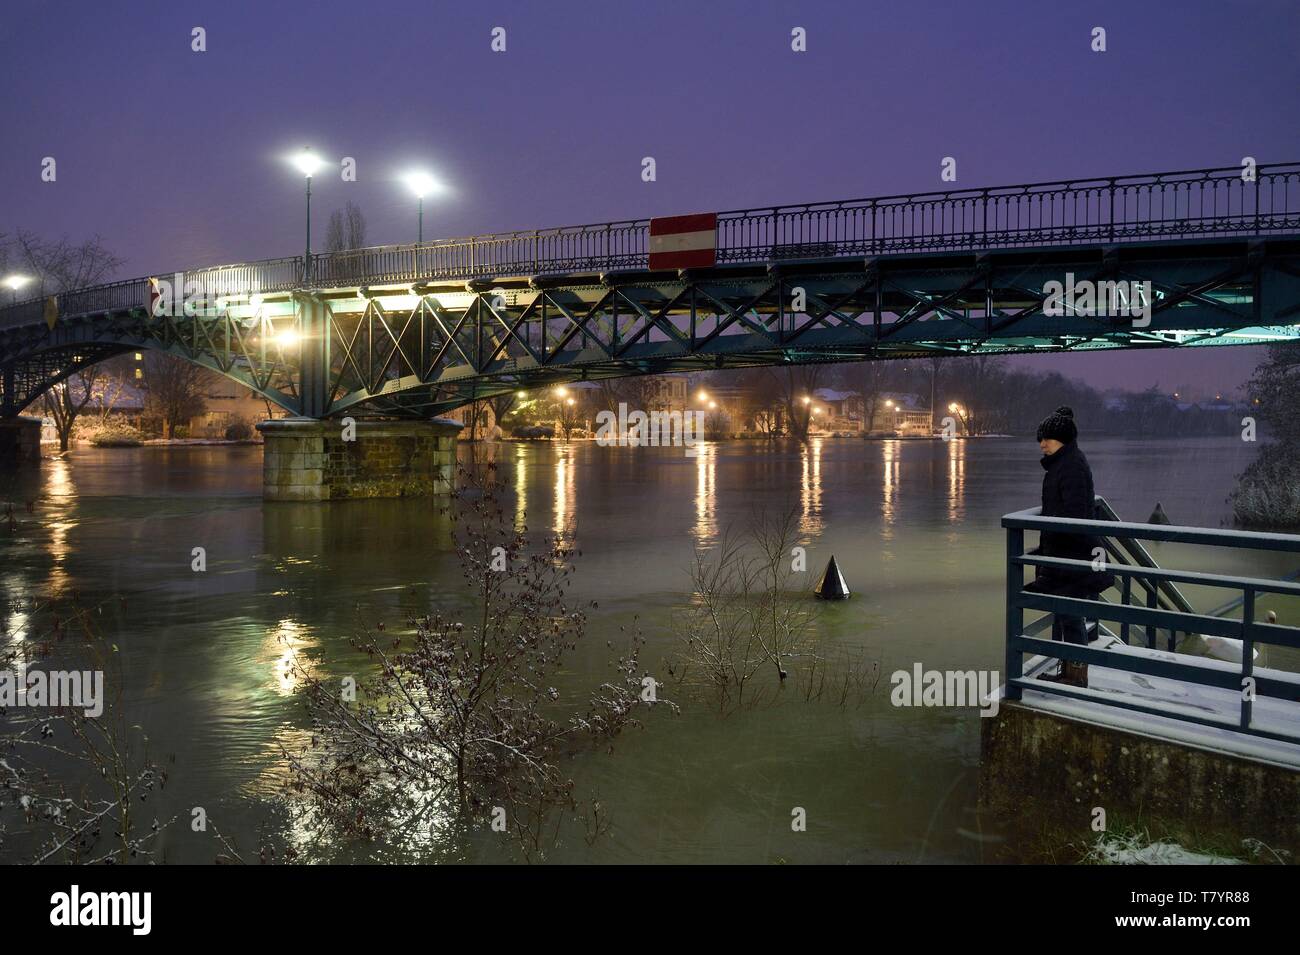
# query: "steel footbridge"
[[417, 330]]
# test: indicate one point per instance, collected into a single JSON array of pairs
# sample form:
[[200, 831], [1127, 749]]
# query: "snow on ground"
[[1175, 696], [1134, 850]]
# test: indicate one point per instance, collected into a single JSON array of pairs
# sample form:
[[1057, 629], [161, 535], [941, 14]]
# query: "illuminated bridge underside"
[[420, 349]]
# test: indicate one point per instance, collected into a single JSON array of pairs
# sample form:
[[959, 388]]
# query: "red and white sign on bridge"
[[684, 242]]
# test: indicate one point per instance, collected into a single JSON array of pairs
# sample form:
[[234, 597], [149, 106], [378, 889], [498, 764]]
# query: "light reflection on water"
[[913, 524], [706, 470], [810, 454]]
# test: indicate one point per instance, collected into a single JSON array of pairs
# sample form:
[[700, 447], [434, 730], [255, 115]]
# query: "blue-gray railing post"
[[1126, 599], [1247, 655], [1151, 604], [1015, 613], [1111, 190]]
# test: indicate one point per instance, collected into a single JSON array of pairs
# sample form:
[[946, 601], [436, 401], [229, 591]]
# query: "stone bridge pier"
[[307, 459], [20, 442]]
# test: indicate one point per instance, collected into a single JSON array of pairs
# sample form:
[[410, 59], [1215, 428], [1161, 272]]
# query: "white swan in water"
[[1218, 648]]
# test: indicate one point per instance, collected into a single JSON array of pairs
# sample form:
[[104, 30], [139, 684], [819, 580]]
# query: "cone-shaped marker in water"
[[1158, 516], [833, 586]]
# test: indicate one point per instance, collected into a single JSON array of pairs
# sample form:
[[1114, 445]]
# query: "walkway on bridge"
[[417, 330]]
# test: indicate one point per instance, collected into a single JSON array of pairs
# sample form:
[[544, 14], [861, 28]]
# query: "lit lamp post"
[[307, 163], [421, 184], [15, 282]]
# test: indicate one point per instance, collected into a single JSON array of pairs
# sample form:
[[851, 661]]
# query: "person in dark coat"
[[1067, 492]]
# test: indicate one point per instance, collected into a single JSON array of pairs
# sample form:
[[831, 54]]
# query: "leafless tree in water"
[[465, 723], [751, 628], [76, 788], [60, 265]]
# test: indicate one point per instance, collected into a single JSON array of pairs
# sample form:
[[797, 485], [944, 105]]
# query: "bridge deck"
[[1195, 258], [1095, 705]]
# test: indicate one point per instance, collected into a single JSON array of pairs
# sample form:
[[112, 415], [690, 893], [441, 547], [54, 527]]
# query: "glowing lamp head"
[[421, 184], [15, 282], [288, 338], [306, 162]]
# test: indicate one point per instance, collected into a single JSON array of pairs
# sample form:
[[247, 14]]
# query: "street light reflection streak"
[[890, 471], [284, 643], [956, 480], [706, 476], [810, 496], [565, 502], [521, 488], [61, 493]]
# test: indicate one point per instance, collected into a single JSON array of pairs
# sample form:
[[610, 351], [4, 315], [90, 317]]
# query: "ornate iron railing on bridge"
[[1173, 205], [1140, 622]]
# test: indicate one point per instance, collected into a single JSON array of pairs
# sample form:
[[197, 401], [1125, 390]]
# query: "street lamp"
[[422, 184], [307, 163], [15, 282]]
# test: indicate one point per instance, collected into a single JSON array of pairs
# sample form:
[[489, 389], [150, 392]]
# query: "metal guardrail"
[[1170, 205], [1153, 580]]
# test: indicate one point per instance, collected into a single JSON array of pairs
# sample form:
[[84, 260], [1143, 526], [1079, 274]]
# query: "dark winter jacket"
[[1068, 492]]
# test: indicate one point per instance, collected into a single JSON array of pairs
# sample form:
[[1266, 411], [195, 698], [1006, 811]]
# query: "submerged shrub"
[[1268, 494]]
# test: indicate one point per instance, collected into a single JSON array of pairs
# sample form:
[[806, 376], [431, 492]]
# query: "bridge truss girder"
[[415, 351]]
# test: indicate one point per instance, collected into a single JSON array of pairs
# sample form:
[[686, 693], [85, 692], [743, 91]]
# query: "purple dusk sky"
[[176, 158]]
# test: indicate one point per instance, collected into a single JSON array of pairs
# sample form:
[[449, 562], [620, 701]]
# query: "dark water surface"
[[914, 525]]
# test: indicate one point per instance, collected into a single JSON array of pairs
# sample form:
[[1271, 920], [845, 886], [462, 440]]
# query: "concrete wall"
[[1048, 770], [309, 460], [20, 442]]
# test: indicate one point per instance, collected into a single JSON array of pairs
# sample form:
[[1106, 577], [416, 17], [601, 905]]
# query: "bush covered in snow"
[[116, 434]]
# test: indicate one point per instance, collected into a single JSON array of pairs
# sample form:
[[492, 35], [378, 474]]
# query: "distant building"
[[670, 392], [902, 413], [227, 402], [893, 412]]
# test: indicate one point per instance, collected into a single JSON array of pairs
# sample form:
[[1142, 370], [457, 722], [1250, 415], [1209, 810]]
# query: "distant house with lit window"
[[227, 402], [892, 412]]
